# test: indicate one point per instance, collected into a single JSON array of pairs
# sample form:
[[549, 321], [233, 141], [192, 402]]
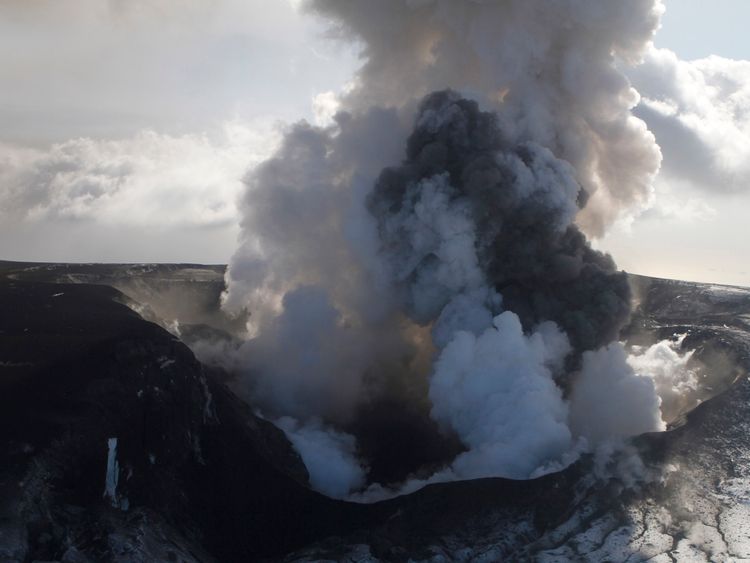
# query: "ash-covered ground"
[[117, 444]]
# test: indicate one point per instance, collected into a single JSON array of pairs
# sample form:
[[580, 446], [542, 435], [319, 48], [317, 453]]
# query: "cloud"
[[146, 197], [325, 107], [150, 179], [700, 113], [677, 201], [112, 68]]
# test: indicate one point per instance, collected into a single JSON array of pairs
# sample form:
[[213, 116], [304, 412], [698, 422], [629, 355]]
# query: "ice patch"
[[15, 364], [208, 408], [165, 362], [113, 474]]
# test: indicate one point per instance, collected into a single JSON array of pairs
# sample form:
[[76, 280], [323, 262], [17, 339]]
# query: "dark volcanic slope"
[[198, 473], [165, 293], [202, 479]]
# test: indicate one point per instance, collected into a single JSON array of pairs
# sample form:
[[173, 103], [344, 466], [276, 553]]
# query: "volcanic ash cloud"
[[433, 252]]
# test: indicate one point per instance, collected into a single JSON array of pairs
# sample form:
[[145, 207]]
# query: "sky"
[[694, 32], [127, 127]]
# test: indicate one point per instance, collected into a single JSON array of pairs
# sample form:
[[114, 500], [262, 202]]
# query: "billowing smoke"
[[470, 215], [607, 375], [547, 67], [497, 391], [427, 251]]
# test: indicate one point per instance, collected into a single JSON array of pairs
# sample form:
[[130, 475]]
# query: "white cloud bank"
[[151, 182], [700, 113], [150, 178]]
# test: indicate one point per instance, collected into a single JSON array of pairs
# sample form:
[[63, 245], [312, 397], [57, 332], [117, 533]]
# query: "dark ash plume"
[[521, 202]]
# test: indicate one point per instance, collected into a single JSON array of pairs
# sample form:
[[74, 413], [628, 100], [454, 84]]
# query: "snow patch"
[[113, 475], [208, 407], [165, 362]]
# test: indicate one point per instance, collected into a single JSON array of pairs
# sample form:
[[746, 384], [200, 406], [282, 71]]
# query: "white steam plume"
[[497, 391], [330, 456], [610, 401]]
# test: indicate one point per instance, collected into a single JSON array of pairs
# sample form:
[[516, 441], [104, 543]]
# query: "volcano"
[[118, 444]]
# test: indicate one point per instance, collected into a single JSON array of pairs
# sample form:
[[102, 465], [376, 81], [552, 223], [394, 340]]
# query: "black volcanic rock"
[[201, 478], [78, 368]]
